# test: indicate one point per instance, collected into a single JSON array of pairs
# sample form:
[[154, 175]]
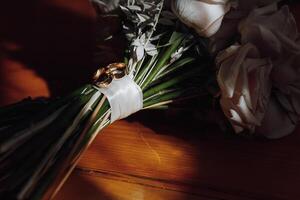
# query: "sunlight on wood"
[[139, 149]]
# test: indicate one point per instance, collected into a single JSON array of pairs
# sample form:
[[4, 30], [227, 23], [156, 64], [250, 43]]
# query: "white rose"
[[284, 113], [274, 32], [228, 32], [245, 86], [205, 16]]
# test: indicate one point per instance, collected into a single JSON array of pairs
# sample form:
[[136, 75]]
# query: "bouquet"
[[255, 80], [42, 139]]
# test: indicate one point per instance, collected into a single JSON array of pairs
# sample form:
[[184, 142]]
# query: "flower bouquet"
[[255, 49], [41, 140]]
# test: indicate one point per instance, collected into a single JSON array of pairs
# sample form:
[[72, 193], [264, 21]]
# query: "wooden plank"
[[182, 157], [91, 187]]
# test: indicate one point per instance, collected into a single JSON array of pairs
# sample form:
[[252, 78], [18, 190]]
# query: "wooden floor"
[[156, 158]]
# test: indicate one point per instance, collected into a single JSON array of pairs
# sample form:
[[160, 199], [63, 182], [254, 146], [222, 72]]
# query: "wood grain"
[[202, 163], [92, 187]]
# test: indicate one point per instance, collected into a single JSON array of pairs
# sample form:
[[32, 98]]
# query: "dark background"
[[47, 47]]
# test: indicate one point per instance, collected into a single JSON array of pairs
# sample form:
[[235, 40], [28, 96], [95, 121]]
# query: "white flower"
[[274, 32], [228, 32], [245, 86], [284, 114], [141, 46], [205, 16]]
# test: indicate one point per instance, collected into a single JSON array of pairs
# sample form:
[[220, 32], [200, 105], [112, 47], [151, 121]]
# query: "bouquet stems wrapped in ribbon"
[[41, 140]]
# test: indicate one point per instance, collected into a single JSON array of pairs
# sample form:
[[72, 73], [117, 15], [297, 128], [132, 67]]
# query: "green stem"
[[165, 56], [172, 82]]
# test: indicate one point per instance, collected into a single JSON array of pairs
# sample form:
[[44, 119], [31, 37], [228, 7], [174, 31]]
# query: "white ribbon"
[[124, 96]]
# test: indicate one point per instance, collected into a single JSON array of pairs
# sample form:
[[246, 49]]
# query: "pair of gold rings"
[[104, 76]]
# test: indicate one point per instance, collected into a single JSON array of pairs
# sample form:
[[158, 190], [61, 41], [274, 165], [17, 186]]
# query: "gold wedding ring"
[[104, 76]]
